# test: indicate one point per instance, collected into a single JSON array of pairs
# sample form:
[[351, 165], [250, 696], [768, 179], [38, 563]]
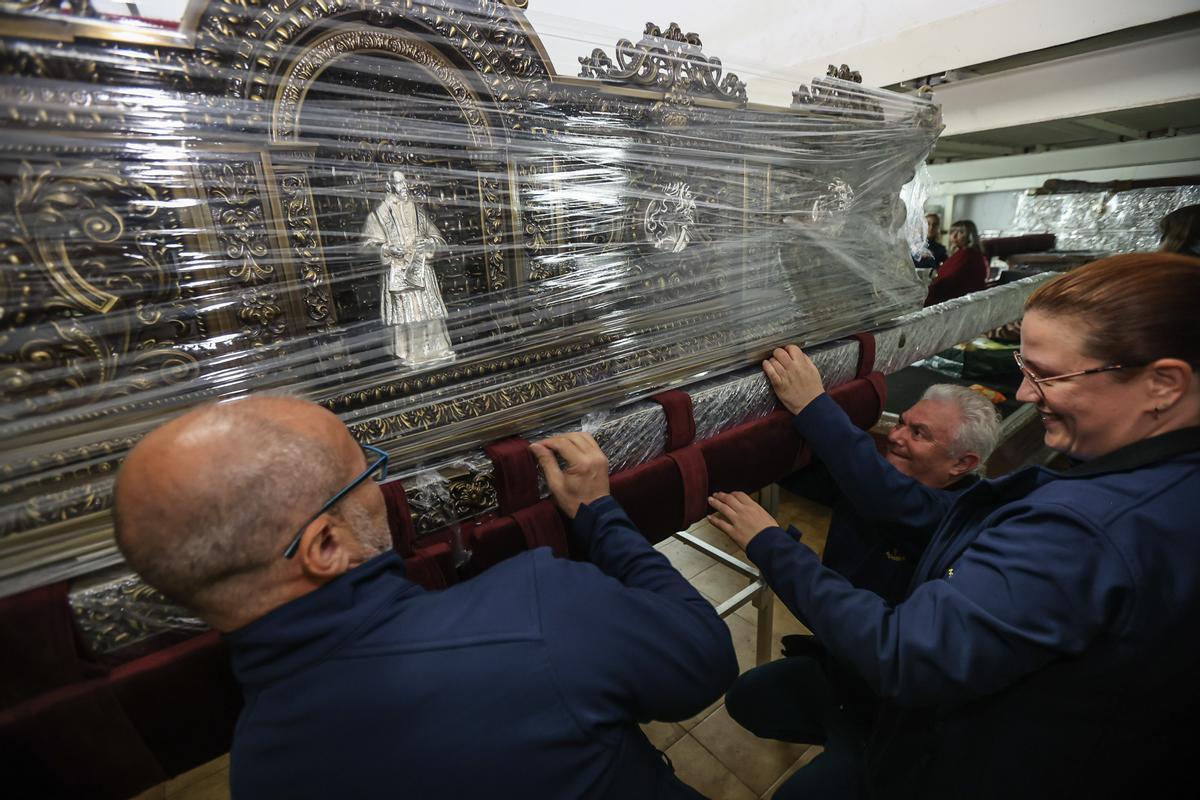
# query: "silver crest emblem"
[[669, 218]]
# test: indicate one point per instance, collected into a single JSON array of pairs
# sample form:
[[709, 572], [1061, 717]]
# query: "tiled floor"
[[710, 751]]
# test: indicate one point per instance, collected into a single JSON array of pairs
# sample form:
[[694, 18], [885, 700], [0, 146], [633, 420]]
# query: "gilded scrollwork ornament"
[[669, 60], [836, 96], [75, 330]]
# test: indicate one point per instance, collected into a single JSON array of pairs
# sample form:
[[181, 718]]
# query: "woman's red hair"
[[1132, 308]]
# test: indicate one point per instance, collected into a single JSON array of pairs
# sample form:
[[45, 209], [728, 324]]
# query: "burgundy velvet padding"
[[399, 517], [432, 566], [77, 741], [515, 474], [688, 459], [188, 688], [693, 472], [652, 494], [517, 495], [749, 456], [866, 354], [681, 421], [863, 398], [542, 526], [491, 542], [37, 639]]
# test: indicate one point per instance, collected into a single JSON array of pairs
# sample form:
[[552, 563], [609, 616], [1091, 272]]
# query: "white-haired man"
[[940, 442], [932, 456]]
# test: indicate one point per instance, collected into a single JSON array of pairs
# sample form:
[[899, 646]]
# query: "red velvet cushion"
[[399, 517], [183, 701], [76, 742], [753, 454], [37, 640], [652, 495]]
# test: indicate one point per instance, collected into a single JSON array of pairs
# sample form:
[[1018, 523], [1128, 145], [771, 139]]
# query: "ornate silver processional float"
[[404, 212]]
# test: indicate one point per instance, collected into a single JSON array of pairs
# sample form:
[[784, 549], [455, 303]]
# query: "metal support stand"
[[757, 592], [765, 600]]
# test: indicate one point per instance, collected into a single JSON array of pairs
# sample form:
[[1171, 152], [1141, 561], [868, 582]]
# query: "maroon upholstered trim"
[[400, 520], [749, 456], [188, 687], [687, 458], [37, 638], [516, 474], [542, 526], [75, 741], [652, 495], [490, 543], [432, 566], [681, 421], [866, 354], [694, 474], [517, 493]]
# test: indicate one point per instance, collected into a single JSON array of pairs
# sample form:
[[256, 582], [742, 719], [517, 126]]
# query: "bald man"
[[527, 681]]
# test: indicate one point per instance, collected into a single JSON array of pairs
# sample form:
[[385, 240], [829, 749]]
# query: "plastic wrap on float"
[[403, 213], [448, 496], [1103, 221], [115, 611]]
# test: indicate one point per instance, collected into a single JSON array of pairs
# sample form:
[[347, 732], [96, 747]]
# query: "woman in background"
[[1181, 231], [965, 271]]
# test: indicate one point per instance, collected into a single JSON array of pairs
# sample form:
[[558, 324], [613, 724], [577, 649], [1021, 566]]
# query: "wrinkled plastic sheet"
[[119, 611], [401, 213], [1108, 222]]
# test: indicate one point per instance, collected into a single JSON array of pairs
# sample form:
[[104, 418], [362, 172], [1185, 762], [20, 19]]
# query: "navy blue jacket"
[[870, 545], [1049, 645], [526, 681]]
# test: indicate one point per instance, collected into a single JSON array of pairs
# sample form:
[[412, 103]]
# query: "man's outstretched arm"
[[638, 638], [879, 491]]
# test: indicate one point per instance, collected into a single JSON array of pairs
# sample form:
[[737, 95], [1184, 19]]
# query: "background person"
[[1181, 231], [933, 243], [965, 271], [526, 681], [1048, 646]]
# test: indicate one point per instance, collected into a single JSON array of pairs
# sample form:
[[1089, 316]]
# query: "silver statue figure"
[[410, 300]]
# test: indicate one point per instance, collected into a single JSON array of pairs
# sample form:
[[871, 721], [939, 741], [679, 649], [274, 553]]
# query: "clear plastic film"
[[637, 432], [1106, 222], [914, 194], [404, 213], [455, 493], [115, 610]]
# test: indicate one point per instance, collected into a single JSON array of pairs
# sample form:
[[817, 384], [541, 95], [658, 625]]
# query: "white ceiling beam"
[[1055, 162], [1153, 72], [1105, 126], [1173, 169], [952, 147]]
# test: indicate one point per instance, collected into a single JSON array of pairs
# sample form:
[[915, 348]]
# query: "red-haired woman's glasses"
[[1037, 382]]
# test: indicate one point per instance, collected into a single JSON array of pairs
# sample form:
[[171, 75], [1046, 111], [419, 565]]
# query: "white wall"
[[992, 212]]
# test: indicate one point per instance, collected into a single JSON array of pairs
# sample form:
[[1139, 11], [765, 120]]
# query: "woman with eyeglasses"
[[1048, 646], [966, 269]]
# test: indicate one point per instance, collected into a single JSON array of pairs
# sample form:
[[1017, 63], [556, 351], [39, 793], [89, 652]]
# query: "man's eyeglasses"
[[377, 462], [1037, 382]]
